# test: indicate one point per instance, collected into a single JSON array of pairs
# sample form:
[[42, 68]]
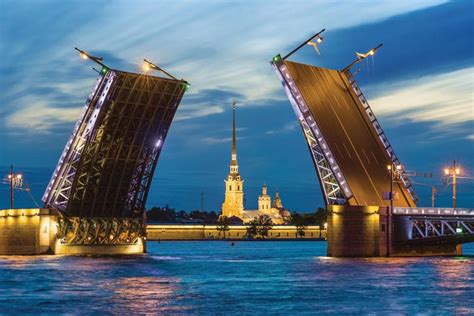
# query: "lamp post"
[[453, 171], [398, 169], [15, 181]]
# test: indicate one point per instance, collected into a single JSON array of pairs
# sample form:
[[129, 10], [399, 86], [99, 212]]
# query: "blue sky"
[[419, 85]]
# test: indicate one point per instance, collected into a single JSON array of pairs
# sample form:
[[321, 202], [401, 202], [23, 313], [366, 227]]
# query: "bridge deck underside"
[[349, 134], [120, 140]]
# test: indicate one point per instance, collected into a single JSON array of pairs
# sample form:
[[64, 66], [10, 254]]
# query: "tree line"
[[167, 214], [259, 227]]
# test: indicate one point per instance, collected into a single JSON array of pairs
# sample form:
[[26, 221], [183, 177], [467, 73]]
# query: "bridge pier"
[[43, 231], [355, 231]]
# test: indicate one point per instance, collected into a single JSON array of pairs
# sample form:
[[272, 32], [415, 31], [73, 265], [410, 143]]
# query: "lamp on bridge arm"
[[362, 56], [85, 55], [148, 66]]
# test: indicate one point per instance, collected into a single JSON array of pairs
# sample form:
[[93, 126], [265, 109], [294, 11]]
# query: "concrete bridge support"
[[355, 231], [36, 232]]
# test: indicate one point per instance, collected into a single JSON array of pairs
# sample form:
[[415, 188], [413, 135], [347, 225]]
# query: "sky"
[[420, 85]]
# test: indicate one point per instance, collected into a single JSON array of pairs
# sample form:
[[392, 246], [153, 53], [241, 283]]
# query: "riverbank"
[[235, 232]]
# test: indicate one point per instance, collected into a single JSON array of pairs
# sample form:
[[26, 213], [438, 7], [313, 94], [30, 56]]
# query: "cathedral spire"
[[234, 142]]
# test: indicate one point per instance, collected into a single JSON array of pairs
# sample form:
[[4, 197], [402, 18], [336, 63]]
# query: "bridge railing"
[[381, 134], [435, 211]]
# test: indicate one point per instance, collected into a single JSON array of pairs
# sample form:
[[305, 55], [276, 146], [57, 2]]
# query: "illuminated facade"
[[233, 205]]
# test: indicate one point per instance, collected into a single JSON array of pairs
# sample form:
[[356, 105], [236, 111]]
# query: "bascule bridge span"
[[351, 156]]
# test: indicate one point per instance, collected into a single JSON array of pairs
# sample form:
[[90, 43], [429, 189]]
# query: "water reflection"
[[248, 278], [145, 294]]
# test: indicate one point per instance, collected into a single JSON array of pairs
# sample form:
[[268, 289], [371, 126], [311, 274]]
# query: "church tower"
[[277, 203], [264, 200], [234, 185]]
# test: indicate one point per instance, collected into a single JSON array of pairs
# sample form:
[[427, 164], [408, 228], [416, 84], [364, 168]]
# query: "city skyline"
[[433, 62]]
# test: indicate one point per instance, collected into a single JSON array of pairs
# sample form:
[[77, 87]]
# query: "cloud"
[[289, 127], [40, 118], [444, 98], [199, 41], [215, 140]]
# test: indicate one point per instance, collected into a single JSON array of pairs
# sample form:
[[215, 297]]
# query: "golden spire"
[[234, 143]]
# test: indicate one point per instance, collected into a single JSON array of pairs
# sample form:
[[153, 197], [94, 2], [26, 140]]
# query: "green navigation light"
[[187, 86], [277, 58], [103, 71]]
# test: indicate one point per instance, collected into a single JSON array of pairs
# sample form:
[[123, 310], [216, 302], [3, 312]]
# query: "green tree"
[[321, 216], [223, 224], [259, 226], [252, 229], [300, 223]]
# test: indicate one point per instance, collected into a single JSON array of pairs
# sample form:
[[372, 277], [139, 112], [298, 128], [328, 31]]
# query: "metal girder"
[[333, 184], [99, 231], [437, 227], [107, 166], [434, 224], [380, 133]]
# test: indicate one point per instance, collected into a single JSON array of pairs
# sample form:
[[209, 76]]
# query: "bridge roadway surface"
[[349, 133]]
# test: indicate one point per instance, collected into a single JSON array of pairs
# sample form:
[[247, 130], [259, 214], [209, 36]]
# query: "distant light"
[[325, 225], [83, 56], [9, 176], [371, 52], [459, 230], [158, 143], [399, 167], [389, 167], [446, 171], [319, 39], [18, 176], [458, 171], [146, 67]]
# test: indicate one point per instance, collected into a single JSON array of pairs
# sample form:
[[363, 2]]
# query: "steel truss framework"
[[107, 165], [333, 184], [380, 133], [438, 227], [436, 223], [99, 231]]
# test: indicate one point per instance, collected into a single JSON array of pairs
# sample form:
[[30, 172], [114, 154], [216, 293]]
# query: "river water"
[[213, 277]]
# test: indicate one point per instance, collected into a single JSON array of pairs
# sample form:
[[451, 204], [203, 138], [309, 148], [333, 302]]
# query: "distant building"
[[233, 205]]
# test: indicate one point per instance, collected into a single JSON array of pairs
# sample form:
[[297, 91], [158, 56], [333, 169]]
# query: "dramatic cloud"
[[40, 118], [445, 98], [197, 40]]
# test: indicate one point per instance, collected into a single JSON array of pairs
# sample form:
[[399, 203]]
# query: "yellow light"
[[18, 176], [371, 52], [446, 171], [319, 40], [458, 171], [9, 176], [389, 167], [399, 167], [83, 56], [146, 67], [325, 225]]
